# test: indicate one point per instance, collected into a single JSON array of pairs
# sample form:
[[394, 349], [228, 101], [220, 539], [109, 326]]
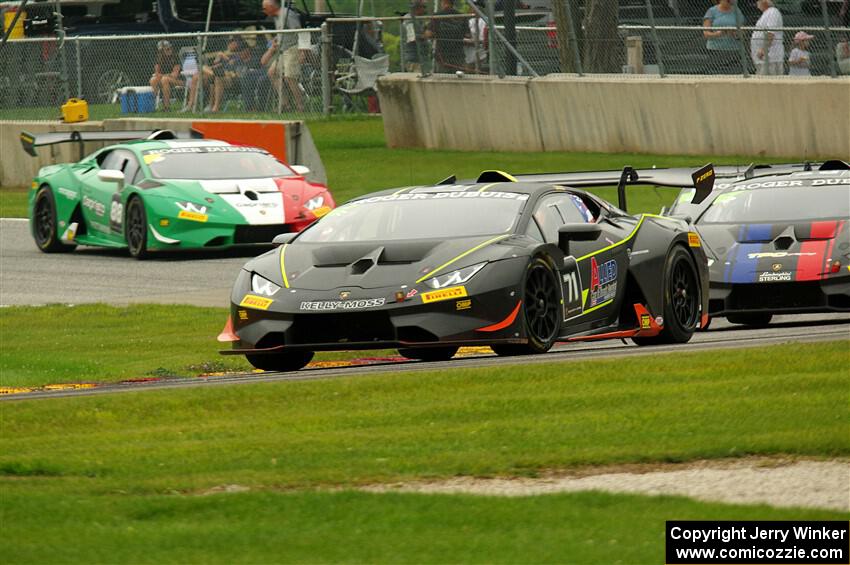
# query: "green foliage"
[[392, 47]]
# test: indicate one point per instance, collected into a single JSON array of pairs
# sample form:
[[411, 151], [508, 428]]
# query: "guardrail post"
[[327, 50]]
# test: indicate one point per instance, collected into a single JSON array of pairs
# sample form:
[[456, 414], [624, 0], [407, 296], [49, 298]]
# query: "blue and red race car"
[[778, 240]]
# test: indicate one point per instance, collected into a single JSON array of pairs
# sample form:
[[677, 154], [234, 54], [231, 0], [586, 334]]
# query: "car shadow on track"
[[181, 255]]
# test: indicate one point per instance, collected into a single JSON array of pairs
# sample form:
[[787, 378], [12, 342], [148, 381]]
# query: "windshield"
[[217, 162], [789, 204], [419, 216]]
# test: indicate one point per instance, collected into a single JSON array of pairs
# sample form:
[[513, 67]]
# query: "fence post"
[[833, 72], [745, 67], [493, 53], [658, 55], [327, 50], [199, 97], [573, 38], [79, 68]]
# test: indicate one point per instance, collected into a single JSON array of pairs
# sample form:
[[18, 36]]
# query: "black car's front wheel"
[[682, 299], [136, 228], [541, 311], [428, 353], [281, 362], [44, 223]]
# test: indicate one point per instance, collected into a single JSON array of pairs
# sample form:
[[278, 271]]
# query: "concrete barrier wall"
[[798, 119], [17, 168]]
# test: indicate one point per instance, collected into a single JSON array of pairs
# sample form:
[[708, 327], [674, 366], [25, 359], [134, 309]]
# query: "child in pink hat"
[[800, 58]]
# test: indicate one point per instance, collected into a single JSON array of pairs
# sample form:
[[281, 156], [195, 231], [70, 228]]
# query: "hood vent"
[[362, 265], [785, 240]]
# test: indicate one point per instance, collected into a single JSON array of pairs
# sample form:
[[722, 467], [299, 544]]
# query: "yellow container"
[[18, 30], [75, 110]]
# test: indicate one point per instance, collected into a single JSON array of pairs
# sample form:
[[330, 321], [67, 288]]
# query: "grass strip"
[[511, 420], [96, 343], [351, 527]]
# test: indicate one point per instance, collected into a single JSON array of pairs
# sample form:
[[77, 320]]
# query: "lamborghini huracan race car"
[[157, 192], [503, 262], [777, 239]]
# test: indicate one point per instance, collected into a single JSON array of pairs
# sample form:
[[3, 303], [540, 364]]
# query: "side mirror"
[[300, 170], [577, 232], [111, 175], [283, 238]]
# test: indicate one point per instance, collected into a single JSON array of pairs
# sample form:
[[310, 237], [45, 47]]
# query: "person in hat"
[[166, 72], [800, 59]]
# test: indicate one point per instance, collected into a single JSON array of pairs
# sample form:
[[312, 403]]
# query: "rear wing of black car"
[[31, 141], [701, 179]]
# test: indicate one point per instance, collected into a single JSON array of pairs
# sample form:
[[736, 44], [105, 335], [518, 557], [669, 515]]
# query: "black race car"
[[502, 262], [777, 239]]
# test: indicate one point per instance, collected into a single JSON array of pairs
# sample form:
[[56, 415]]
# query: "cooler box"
[[136, 99], [75, 110]]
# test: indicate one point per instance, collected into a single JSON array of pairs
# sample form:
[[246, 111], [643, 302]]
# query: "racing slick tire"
[[428, 353], [541, 311], [45, 224], [136, 228], [682, 299], [755, 320], [281, 362]]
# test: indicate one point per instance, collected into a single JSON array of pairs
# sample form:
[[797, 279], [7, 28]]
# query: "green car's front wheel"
[[44, 223], [136, 228]]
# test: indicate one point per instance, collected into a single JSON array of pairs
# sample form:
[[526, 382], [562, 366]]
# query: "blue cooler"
[[136, 99]]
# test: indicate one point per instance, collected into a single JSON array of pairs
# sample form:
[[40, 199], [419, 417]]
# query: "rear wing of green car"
[[31, 141]]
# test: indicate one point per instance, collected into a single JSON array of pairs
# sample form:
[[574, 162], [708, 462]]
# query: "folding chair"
[[359, 76]]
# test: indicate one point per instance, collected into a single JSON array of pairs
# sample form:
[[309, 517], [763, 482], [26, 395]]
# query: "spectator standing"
[[283, 57], [448, 35], [766, 45], [799, 61], [166, 72], [842, 56], [723, 44], [415, 45], [476, 43]]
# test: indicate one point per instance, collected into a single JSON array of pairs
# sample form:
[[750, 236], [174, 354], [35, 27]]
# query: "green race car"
[[156, 192]]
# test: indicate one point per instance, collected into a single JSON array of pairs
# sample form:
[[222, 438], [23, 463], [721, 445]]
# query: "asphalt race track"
[[94, 274], [29, 277]]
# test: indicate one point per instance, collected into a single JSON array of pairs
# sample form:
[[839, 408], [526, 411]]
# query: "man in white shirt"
[[766, 47]]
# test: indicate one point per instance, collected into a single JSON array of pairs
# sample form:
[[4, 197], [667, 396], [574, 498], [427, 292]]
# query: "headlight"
[[710, 262], [455, 277], [315, 202], [263, 286]]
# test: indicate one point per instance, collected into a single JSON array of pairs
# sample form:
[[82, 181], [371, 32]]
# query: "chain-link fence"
[[333, 69]]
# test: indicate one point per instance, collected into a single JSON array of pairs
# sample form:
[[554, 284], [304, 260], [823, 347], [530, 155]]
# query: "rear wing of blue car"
[[701, 179], [31, 141]]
